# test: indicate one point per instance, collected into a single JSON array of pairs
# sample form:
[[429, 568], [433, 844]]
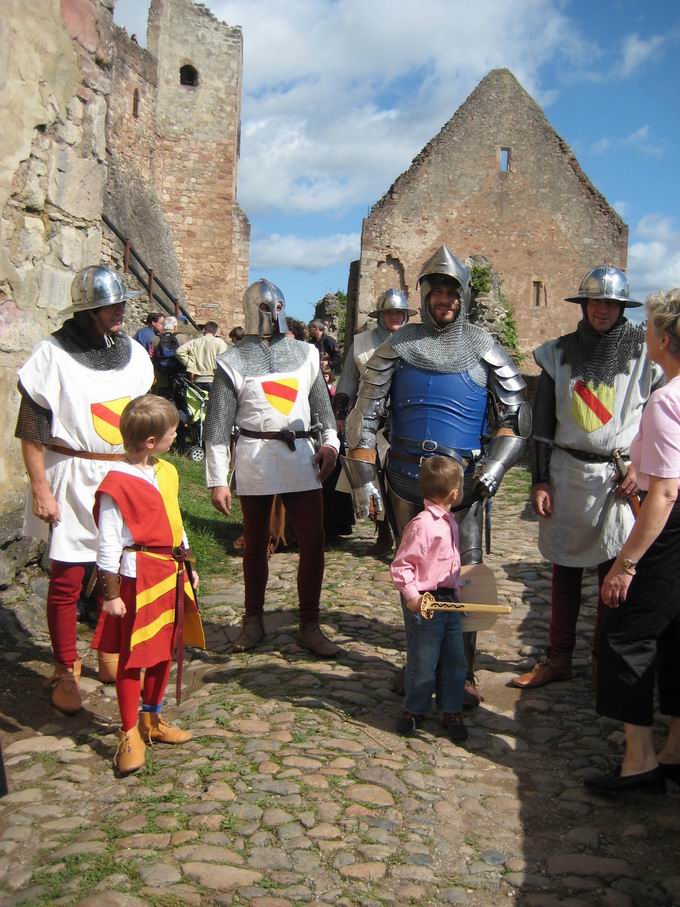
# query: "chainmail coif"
[[109, 353], [456, 348], [600, 357]]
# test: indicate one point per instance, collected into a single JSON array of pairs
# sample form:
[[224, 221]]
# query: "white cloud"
[[340, 95], [641, 140], [307, 254], [654, 256], [636, 52]]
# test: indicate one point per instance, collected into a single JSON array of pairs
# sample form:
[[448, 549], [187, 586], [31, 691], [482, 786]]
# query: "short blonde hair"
[[146, 417], [439, 477], [663, 312]]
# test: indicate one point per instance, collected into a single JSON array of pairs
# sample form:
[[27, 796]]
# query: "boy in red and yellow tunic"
[[149, 610]]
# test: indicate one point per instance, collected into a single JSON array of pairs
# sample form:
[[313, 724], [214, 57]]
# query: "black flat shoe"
[[614, 782], [671, 771]]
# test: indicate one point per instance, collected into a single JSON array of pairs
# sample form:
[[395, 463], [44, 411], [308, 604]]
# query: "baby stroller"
[[192, 403]]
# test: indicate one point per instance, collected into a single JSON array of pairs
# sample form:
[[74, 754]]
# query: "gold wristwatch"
[[628, 565]]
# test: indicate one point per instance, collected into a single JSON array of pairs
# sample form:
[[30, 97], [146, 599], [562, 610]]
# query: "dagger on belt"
[[622, 469]]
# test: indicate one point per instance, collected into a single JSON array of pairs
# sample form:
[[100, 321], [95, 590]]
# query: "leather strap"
[[429, 449], [85, 454], [585, 456], [274, 435]]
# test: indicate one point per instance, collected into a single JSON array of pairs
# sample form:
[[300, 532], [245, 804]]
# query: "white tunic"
[[589, 524], [273, 402], [86, 405]]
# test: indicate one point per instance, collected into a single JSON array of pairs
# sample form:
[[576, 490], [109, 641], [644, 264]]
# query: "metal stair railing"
[[148, 279]]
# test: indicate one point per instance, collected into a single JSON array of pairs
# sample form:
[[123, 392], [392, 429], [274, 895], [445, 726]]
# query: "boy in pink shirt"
[[428, 560]]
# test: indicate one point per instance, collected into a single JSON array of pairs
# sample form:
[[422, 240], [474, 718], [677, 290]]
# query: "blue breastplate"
[[450, 410]]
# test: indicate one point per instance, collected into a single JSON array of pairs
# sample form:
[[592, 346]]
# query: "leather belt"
[[585, 456], [288, 437], [429, 448], [85, 454]]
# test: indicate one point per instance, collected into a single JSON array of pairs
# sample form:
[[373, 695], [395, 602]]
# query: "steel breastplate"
[[449, 410]]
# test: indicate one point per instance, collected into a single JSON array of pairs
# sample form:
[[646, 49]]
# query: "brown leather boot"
[[385, 542], [310, 636], [252, 632], [557, 666], [130, 753], [108, 666], [65, 689], [154, 729]]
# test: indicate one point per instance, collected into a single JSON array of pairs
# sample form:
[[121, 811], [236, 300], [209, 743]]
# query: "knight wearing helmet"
[[270, 389], [443, 380], [73, 389], [591, 391], [391, 313]]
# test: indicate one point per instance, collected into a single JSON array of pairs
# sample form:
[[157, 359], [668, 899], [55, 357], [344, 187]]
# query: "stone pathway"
[[295, 790]]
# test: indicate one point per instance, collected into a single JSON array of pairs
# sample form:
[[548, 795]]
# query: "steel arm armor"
[[369, 410], [513, 416]]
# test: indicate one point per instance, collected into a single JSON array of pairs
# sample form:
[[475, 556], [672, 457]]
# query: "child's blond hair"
[[439, 477], [146, 417]]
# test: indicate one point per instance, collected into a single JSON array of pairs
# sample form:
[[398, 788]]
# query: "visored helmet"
[[392, 301], [264, 309], [443, 269], [97, 286], [605, 282]]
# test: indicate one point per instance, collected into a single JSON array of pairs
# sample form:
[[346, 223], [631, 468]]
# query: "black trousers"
[[640, 642]]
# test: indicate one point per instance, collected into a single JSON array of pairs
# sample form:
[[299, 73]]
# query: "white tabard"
[[589, 524], [86, 405], [271, 403]]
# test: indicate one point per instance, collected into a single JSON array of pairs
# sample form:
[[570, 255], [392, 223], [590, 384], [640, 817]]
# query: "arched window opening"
[[135, 103], [188, 76]]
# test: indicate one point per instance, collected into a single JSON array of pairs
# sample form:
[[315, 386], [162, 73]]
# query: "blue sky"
[[340, 95]]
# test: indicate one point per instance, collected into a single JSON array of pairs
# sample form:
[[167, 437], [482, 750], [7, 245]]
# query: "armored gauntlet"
[[363, 477]]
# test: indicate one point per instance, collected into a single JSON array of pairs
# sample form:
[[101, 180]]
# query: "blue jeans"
[[429, 642]]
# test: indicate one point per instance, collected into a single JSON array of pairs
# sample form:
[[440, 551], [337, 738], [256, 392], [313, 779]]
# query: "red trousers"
[[305, 509], [66, 582], [566, 604]]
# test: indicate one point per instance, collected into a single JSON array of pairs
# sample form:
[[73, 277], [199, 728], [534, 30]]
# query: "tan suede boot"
[[154, 729], [65, 689], [557, 666], [252, 632], [310, 636], [130, 753], [108, 666]]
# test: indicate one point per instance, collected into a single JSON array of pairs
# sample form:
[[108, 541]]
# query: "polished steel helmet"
[[264, 309], [392, 301], [97, 286], [436, 270], [605, 282]]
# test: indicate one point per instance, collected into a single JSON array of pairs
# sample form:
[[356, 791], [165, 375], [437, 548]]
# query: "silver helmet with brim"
[[264, 309], [95, 287], [605, 282], [442, 269]]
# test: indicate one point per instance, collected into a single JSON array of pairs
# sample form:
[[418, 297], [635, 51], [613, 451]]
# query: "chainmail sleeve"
[[320, 403], [34, 422], [545, 422], [221, 415]]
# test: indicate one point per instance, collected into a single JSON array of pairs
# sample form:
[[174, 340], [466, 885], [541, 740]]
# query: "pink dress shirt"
[[655, 450], [429, 555]]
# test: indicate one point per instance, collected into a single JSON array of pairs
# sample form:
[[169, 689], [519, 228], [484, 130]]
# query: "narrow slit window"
[[504, 160], [188, 76], [135, 103], [537, 292]]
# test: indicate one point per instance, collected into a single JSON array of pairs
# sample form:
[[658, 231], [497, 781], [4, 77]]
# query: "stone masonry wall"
[[55, 58], [541, 221], [196, 154]]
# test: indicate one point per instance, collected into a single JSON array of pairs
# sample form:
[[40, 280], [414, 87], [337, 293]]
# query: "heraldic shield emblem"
[[106, 419], [281, 394], [592, 405]]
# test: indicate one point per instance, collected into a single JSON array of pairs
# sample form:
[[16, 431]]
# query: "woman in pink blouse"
[[641, 633]]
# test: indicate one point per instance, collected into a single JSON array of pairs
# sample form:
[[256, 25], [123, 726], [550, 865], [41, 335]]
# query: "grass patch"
[[210, 534], [88, 869]]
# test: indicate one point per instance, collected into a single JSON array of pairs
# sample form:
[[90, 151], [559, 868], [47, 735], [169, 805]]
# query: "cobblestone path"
[[295, 789]]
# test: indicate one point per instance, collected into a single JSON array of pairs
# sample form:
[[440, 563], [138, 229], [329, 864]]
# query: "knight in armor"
[[443, 380], [270, 388], [391, 312], [592, 388], [73, 390]]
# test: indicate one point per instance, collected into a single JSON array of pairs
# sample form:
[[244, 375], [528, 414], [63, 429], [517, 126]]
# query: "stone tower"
[[497, 181], [174, 133]]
